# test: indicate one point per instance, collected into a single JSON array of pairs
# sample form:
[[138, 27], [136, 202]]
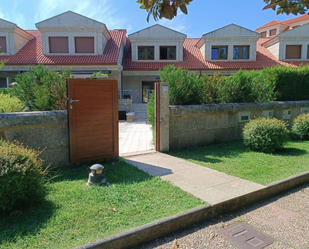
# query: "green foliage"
[[99, 75], [6, 90], [185, 88], [42, 90], [300, 127], [291, 83], [246, 86], [265, 135], [163, 9], [10, 104], [21, 175], [151, 110], [288, 6]]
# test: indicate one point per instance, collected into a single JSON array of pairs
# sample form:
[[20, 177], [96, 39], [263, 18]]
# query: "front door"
[[93, 119], [147, 89]]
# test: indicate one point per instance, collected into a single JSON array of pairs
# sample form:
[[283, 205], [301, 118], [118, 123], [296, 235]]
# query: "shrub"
[[42, 90], [21, 175], [265, 135], [6, 90], [151, 110], [246, 86], [291, 83], [185, 88], [300, 127], [10, 104]]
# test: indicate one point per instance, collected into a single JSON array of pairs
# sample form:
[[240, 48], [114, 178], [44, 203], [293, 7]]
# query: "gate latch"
[[73, 100]]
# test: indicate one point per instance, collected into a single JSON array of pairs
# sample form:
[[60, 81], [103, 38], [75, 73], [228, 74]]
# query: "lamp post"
[[96, 176]]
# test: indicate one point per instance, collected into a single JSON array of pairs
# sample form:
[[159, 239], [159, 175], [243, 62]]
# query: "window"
[[219, 53], [263, 34], [241, 52], [3, 44], [58, 45], [293, 52], [145, 53], [84, 45], [168, 53], [272, 32], [3, 83]]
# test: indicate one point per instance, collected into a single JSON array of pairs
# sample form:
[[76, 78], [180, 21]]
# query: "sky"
[[204, 15]]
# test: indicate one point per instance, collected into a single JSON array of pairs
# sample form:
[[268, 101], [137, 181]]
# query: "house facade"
[[71, 40]]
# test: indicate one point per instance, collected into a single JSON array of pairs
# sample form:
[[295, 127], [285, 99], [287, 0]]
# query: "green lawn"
[[74, 214], [234, 159]]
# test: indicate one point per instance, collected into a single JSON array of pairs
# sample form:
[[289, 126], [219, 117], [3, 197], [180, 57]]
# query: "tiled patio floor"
[[134, 137]]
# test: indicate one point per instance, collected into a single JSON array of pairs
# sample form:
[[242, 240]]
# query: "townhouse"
[[70, 40]]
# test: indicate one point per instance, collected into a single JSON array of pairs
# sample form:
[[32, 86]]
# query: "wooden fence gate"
[[93, 119]]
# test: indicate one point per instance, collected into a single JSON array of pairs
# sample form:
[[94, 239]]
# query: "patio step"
[[140, 110]]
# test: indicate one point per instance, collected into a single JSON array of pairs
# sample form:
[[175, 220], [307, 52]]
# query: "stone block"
[[56, 157], [49, 136], [229, 119], [213, 121]]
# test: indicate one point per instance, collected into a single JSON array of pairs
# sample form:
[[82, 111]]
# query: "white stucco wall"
[[231, 35], [157, 36], [72, 25]]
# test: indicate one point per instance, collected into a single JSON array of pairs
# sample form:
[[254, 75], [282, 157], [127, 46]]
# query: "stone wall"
[[47, 130], [196, 125]]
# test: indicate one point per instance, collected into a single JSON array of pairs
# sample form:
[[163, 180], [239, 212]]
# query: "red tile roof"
[[31, 53], [296, 19], [193, 60], [270, 24], [285, 23]]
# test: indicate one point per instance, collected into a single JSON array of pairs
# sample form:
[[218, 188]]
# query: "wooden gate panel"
[[93, 119]]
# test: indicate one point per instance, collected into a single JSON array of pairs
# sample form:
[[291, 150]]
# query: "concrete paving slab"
[[134, 137], [207, 184]]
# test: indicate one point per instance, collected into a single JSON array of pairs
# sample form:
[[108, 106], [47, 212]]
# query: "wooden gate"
[[93, 119]]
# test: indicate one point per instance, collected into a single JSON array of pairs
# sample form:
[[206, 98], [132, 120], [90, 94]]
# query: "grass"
[[235, 159], [73, 214]]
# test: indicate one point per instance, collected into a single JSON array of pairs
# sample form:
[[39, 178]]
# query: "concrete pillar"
[[164, 117]]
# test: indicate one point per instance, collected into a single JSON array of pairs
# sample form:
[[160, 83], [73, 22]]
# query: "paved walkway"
[[134, 137], [207, 184]]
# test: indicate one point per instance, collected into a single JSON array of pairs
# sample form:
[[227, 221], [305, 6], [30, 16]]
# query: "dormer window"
[[219, 52], [293, 52], [168, 53], [146, 53], [272, 32], [84, 45], [263, 34], [241, 52], [58, 44], [3, 48]]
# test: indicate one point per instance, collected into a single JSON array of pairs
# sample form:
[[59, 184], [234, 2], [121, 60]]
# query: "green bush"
[[151, 110], [41, 89], [300, 127], [185, 88], [291, 83], [6, 90], [265, 135], [21, 175], [10, 104], [246, 86]]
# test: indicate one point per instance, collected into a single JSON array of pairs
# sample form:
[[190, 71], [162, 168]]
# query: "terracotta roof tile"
[[296, 19], [270, 24], [31, 53]]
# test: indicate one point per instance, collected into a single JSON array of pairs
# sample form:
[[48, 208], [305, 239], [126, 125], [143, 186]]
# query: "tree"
[[288, 6], [163, 8]]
